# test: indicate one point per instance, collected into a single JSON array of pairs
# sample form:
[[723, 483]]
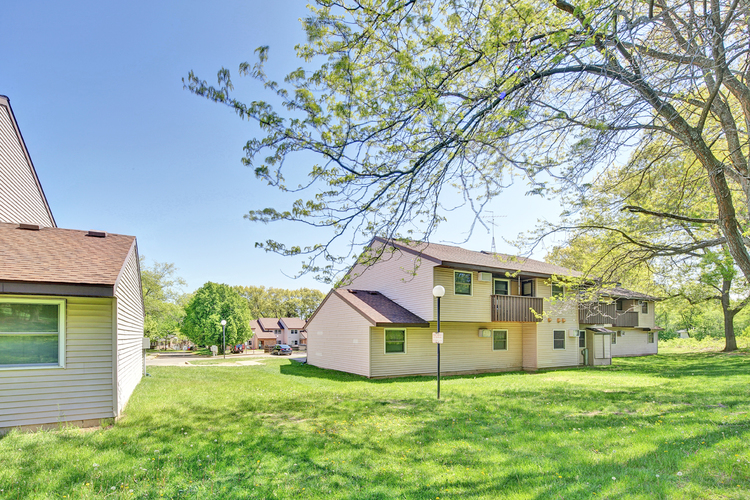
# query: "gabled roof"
[[268, 324], [259, 332], [451, 256], [293, 323], [377, 308], [19, 183], [61, 256], [623, 293]]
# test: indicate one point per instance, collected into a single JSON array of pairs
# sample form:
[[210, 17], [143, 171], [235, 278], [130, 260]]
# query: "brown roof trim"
[[458, 265], [64, 289], [598, 330], [5, 101], [402, 325]]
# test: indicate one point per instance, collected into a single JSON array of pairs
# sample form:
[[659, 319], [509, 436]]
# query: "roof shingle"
[[54, 255], [378, 308]]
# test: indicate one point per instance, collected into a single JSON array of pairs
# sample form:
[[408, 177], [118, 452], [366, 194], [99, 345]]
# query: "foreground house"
[[498, 313], [71, 309]]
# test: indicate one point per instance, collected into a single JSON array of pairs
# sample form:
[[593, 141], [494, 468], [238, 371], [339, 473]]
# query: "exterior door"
[[581, 346]]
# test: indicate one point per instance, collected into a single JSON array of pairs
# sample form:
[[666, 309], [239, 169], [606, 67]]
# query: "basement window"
[[32, 333]]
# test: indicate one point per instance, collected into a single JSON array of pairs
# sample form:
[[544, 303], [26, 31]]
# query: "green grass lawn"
[[668, 426]]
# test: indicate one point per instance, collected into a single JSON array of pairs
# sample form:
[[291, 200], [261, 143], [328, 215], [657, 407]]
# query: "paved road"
[[184, 359]]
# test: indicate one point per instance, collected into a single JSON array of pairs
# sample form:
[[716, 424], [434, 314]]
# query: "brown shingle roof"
[[378, 308], [446, 254], [624, 293], [293, 323], [267, 324], [54, 255]]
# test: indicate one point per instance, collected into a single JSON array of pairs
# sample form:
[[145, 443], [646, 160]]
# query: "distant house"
[[71, 308], [272, 331], [498, 313]]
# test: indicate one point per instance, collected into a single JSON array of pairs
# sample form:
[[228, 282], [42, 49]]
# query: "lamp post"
[[438, 292], [224, 337]]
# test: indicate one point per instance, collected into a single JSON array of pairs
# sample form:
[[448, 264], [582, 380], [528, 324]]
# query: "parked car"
[[238, 349], [280, 349]]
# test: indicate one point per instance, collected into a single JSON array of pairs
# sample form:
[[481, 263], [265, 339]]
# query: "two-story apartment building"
[[272, 331], [498, 314]]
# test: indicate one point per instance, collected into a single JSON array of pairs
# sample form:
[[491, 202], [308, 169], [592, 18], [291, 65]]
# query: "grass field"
[[667, 426]]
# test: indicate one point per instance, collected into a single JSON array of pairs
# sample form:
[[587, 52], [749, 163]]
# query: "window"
[[620, 304], [32, 333], [462, 283], [559, 339], [293, 332], [650, 337], [582, 338], [557, 290], [502, 287], [499, 340], [614, 336], [527, 288], [644, 307], [295, 342], [395, 341]]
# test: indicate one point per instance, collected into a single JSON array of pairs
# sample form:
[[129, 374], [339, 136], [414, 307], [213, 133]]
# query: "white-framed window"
[[501, 287], [644, 307], [499, 340], [295, 342], [294, 332], [462, 282], [32, 333], [558, 339], [650, 337], [395, 341], [558, 290], [581, 338]]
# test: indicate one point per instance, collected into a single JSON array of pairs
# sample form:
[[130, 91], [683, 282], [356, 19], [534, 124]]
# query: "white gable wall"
[[394, 276], [21, 200], [129, 304], [338, 338]]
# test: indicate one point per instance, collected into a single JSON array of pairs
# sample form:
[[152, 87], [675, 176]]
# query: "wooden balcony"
[[516, 308], [594, 313]]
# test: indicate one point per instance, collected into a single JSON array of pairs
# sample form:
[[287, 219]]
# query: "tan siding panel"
[[476, 307], [634, 343], [462, 350], [529, 345], [394, 277], [129, 331], [564, 316], [83, 389], [337, 338], [20, 197]]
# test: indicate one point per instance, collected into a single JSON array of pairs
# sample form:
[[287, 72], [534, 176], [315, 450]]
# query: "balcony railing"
[[515, 308], [594, 313]]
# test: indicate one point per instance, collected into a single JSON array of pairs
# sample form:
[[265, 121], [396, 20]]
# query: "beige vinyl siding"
[[21, 201], [129, 303], [564, 316], [529, 345], [647, 320], [80, 391], [463, 350], [338, 338], [476, 307], [394, 276], [634, 343]]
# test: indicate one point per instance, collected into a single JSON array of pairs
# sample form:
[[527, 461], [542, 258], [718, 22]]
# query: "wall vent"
[[29, 227], [97, 234]]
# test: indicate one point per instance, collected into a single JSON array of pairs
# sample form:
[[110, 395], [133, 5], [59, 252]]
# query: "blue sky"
[[119, 144]]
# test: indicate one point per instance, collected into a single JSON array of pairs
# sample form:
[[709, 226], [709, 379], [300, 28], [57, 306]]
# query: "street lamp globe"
[[223, 322], [438, 291]]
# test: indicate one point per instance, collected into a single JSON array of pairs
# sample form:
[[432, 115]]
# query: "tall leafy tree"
[[161, 299], [209, 305], [281, 303], [399, 100]]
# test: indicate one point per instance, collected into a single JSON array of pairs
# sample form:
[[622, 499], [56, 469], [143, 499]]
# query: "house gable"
[[22, 198]]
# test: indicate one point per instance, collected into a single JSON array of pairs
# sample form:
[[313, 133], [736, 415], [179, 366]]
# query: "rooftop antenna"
[[491, 218]]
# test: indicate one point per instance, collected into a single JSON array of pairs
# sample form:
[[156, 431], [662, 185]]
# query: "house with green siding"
[[71, 307]]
